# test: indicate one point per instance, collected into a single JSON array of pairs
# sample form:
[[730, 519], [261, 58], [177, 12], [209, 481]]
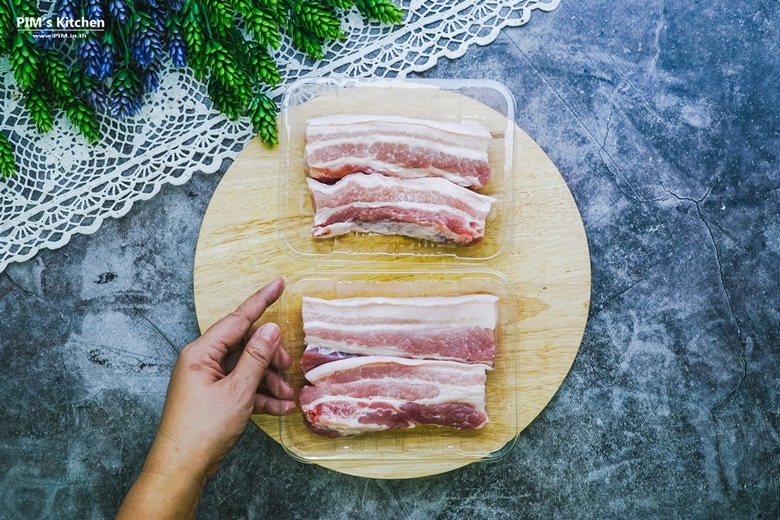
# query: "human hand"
[[233, 370]]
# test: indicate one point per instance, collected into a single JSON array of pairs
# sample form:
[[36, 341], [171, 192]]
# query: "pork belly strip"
[[373, 393], [456, 328], [430, 209], [403, 147], [467, 345]]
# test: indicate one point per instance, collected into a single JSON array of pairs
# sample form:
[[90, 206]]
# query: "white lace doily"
[[65, 186]]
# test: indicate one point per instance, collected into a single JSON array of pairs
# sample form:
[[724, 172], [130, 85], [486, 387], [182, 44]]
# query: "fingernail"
[[270, 333]]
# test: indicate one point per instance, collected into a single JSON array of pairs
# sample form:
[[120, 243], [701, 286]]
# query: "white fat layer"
[[325, 370], [471, 310], [374, 328], [325, 124], [374, 181]]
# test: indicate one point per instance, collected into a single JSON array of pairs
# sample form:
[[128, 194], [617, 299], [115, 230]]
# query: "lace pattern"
[[65, 186]]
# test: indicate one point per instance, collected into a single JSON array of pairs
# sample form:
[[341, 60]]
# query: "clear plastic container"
[[486, 102], [422, 442]]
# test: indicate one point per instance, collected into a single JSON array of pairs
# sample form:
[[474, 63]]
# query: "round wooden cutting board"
[[548, 267]]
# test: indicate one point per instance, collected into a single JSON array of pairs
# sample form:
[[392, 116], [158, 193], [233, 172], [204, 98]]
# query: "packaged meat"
[[333, 129], [379, 363]]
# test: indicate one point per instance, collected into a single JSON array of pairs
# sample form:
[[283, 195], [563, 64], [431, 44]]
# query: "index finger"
[[231, 329]]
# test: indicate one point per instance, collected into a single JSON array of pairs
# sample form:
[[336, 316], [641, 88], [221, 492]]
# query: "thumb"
[[256, 358]]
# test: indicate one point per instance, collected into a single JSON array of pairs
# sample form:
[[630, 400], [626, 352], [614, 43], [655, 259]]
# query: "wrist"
[[167, 459], [168, 487]]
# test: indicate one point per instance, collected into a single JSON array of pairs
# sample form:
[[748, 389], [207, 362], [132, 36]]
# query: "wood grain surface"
[[538, 263]]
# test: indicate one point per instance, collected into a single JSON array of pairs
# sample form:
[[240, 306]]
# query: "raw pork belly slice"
[[456, 328], [430, 209], [397, 146], [373, 393]]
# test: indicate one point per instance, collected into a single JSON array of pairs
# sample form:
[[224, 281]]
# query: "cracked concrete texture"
[[664, 121]]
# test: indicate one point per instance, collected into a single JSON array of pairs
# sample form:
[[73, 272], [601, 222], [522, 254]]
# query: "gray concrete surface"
[[664, 119]]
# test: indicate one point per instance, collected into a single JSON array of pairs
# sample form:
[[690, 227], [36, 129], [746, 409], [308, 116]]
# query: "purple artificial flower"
[[97, 97], [176, 47], [67, 9], [107, 65], [158, 16], [94, 10], [146, 47], [91, 55], [119, 10], [150, 79]]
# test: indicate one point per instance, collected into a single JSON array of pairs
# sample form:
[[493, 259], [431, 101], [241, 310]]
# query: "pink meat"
[[340, 145], [373, 393], [429, 209], [467, 344]]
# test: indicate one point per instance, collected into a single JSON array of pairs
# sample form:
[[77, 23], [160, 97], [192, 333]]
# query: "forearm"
[[165, 489], [156, 496]]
